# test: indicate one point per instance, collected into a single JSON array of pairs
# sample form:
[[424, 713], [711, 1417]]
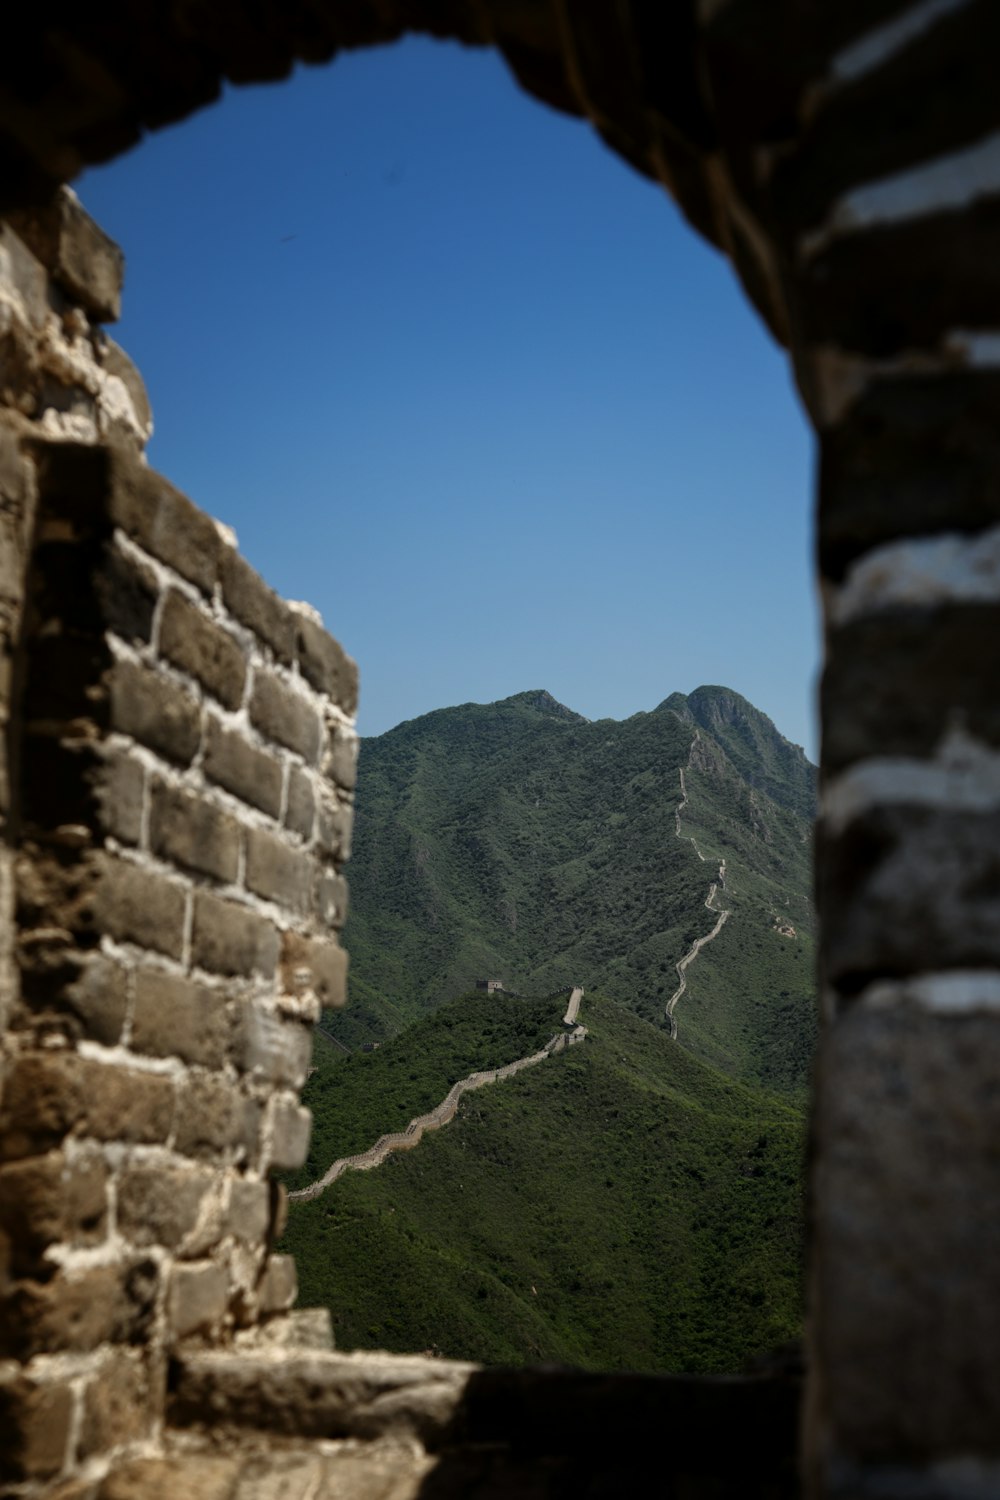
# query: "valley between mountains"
[[634, 1201]]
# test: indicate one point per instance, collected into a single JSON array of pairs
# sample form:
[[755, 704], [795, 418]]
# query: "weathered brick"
[[279, 1285], [330, 899], [49, 1095], [313, 967], [140, 906], [197, 1299], [334, 820], [214, 1118], [98, 998], [340, 760], [118, 1404], [199, 1476], [895, 683], [77, 253], [325, 664], [126, 592], [160, 1205], [155, 711], [272, 1048], [906, 1234], [242, 768], [285, 716], [249, 600], [909, 889], [300, 814], [277, 871], [114, 359], [187, 830], [76, 1312], [126, 1104], [230, 939], [916, 455], [36, 1419], [176, 1017], [291, 1126], [249, 1215], [163, 521], [120, 792], [52, 1199], [196, 644]]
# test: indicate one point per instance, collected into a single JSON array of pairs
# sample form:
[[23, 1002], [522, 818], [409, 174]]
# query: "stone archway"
[[847, 160]]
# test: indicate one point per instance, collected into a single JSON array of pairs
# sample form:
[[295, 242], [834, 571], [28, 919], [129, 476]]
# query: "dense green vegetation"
[[620, 1206], [357, 1098], [635, 1201], [518, 841]]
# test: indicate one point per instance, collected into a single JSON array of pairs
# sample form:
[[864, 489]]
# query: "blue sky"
[[464, 381]]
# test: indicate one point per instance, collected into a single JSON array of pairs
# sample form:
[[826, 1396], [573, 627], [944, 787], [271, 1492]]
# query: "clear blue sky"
[[468, 384]]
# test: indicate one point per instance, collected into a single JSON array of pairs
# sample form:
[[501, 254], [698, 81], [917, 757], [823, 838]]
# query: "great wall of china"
[[444, 1113]]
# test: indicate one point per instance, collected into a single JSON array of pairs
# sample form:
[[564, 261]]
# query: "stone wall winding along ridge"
[[443, 1113], [724, 915]]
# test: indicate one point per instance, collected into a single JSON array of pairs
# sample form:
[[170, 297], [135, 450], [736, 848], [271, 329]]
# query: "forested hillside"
[[634, 1202]]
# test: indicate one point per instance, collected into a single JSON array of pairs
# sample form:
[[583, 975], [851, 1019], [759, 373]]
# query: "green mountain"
[[634, 1201], [620, 1206], [519, 841]]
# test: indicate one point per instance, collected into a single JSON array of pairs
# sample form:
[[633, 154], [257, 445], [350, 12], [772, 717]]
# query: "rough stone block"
[[330, 896], [213, 1118], [75, 1312], [163, 521], [334, 820], [117, 363], [325, 664], [340, 762], [187, 830], [300, 814], [322, 1394], [197, 1299], [76, 252], [155, 711], [285, 716], [49, 1095], [160, 1205], [243, 769], [906, 1235], [98, 998], [199, 646], [278, 872], [272, 1048], [906, 889], [916, 455], [249, 600], [117, 1404], [140, 906], [199, 1476], [126, 592], [313, 974], [249, 1215], [175, 1017], [231, 939], [895, 683], [279, 1285], [49, 1200], [36, 1419], [26, 274], [291, 1126], [121, 791]]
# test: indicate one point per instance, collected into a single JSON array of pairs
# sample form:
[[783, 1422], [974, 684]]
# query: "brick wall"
[[177, 790]]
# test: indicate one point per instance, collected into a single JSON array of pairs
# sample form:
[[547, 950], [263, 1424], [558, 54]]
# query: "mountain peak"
[[543, 702]]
